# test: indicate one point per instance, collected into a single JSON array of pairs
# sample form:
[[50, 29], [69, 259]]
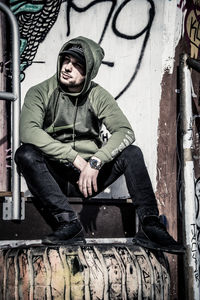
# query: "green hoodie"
[[64, 125]]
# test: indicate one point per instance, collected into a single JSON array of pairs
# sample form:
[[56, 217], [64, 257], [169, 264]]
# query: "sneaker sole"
[[154, 246], [77, 239]]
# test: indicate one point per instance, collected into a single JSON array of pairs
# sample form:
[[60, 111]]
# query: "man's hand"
[[88, 180], [88, 176]]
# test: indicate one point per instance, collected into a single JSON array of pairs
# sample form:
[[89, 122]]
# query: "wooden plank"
[[79, 200], [8, 194]]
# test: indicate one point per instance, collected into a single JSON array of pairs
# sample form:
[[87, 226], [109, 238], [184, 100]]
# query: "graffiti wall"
[[133, 36], [141, 39]]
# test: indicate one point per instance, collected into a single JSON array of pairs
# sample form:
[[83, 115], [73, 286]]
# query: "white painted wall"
[[141, 100]]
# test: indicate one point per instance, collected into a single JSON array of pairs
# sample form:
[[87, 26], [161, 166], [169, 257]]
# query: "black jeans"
[[47, 180]]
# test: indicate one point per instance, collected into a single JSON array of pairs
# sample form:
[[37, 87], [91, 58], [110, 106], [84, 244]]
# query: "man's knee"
[[130, 155], [132, 151], [26, 154]]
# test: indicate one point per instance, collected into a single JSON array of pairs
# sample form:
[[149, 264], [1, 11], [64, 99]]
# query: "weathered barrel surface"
[[83, 272]]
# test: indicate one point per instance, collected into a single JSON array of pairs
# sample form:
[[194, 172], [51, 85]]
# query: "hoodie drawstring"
[[75, 115]]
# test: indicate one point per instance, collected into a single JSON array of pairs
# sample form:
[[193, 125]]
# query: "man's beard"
[[67, 87]]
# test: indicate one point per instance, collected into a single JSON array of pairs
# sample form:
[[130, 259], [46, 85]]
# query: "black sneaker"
[[154, 235], [66, 233]]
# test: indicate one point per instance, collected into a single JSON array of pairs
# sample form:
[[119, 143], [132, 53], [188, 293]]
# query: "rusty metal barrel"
[[83, 272]]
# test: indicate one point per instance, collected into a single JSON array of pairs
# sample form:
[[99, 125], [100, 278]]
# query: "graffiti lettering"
[[35, 21], [146, 276], [180, 4], [194, 250], [158, 280], [71, 4], [145, 30], [192, 25], [197, 197]]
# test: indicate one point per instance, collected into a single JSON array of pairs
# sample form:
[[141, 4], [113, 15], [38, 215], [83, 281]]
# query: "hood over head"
[[77, 52], [93, 57]]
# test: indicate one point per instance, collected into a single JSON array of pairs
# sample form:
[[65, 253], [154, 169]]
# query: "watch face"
[[95, 164]]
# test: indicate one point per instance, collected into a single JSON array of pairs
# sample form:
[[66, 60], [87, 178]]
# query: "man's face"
[[72, 74]]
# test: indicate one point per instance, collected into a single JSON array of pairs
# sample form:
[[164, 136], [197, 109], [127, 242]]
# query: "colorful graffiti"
[[192, 24], [91, 272], [36, 18]]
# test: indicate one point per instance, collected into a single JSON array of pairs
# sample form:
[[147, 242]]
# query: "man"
[[60, 131]]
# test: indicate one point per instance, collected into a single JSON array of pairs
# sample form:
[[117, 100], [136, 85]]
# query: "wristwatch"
[[95, 164]]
